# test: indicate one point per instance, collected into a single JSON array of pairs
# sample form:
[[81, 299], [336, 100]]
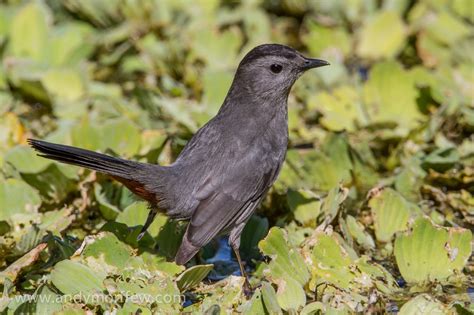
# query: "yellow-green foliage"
[[371, 212]]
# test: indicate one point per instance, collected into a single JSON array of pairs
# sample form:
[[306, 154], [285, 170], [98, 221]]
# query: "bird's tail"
[[92, 160], [133, 175]]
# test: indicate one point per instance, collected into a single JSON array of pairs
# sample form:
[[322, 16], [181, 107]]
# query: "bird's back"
[[227, 154]]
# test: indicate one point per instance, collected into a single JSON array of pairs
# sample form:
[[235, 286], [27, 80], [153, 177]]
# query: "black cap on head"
[[279, 50], [270, 50]]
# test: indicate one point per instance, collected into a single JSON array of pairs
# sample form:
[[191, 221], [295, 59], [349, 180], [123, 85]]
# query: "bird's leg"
[[247, 286], [234, 242], [148, 222]]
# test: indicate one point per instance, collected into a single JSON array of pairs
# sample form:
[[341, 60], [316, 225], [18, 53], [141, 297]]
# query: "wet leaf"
[[72, 277], [270, 299], [320, 39], [331, 204], [64, 85], [108, 248], [429, 253], [341, 109], [25, 160], [136, 214], [441, 159], [286, 260], [390, 212], [304, 205], [136, 79], [254, 305], [423, 304], [382, 35], [29, 32], [446, 29], [54, 182], [290, 294], [390, 96], [331, 261], [121, 136], [193, 276], [254, 231], [16, 197], [356, 229]]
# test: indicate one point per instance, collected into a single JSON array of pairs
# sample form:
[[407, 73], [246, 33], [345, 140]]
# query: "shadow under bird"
[[227, 167]]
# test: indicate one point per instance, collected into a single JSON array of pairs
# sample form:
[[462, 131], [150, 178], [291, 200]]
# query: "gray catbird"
[[225, 170]]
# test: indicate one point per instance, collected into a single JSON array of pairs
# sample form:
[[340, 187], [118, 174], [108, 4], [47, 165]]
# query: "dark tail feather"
[[133, 175], [186, 251], [92, 160]]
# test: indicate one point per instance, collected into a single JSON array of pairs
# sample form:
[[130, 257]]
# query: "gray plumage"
[[225, 170]]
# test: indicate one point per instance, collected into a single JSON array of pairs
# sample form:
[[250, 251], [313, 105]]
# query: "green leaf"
[[409, 181], [26, 77], [429, 253], [313, 308], [290, 294], [382, 35], [424, 304], [29, 32], [390, 96], [254, 231], [64, 85], [226, 294], [156, 262], [441, 159], [131, 308], [321, 39], [86, 135], [316, 308], [341, 109], [390, 212], [218, 49], [216, 84], [331, 261], [17, 197], [112, 197], [305, 205], [56, 221], [193, 276], [136, 214], [70, 44], [319, 169], [72, 277], [447, 29], [52, 182], [158, 290], [108, 247], [255, 305], [270, 299], [43, 301], [26, 160], [122, 136], [356, 229], [48, 302], [286, 262], [463, 8], [432, 52]]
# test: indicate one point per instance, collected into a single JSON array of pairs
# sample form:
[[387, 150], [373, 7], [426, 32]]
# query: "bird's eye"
[[276, 68]]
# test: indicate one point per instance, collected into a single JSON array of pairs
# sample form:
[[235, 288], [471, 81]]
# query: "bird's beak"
[[311, 63]]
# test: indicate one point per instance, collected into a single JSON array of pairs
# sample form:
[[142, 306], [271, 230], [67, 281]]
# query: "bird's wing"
[[228, 198]]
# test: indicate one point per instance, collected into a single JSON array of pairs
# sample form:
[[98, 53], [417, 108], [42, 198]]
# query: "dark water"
[[224, 262]]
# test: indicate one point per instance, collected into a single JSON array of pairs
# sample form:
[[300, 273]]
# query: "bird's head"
[[273, 68]]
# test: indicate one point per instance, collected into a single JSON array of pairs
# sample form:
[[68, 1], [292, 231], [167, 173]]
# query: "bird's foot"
[[248, 289]]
